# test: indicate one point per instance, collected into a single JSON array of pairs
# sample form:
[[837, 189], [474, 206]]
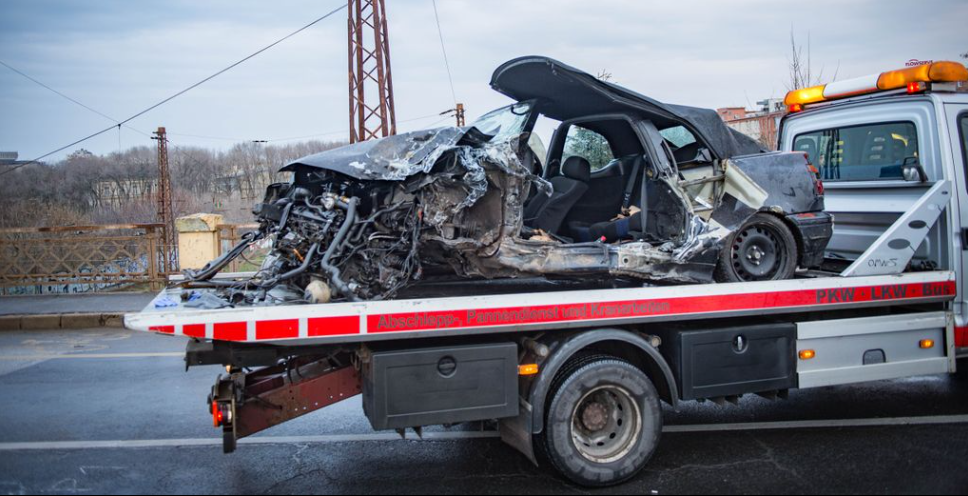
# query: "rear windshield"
[[870, 152]]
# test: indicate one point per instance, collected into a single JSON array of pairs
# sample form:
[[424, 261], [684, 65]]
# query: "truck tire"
[[763, 249], [603, 421]]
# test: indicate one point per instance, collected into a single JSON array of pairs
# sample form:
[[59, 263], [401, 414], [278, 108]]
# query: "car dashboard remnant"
[[370, 220]]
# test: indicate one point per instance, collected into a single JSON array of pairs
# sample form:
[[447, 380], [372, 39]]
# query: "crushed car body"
[[631, 191]]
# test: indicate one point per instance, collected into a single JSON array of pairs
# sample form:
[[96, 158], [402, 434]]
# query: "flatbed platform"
[[334, 323]]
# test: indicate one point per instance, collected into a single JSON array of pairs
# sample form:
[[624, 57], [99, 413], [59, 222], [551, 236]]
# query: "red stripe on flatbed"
[[820, 298], [334, 326], [961, 337], [163, 329], [231, 331], [194, 330], [277, 329]]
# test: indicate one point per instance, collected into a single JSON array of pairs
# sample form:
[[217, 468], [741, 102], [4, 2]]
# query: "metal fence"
[[83, 258], [229, 235]]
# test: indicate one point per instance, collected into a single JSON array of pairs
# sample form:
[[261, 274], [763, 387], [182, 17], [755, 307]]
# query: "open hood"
[[566, 93]]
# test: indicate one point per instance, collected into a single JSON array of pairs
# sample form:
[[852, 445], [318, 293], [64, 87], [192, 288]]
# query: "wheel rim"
[[606, 424], [756, 253]]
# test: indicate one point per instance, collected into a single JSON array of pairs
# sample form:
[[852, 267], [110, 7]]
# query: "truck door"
[[859, 150], [957, 120]]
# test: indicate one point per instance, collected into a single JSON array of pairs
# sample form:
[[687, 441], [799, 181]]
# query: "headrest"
[[577, 168]]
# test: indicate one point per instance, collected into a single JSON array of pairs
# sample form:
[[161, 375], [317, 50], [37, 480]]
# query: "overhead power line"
[[182, 92], [289, 138], [440, 33], [68, 98]]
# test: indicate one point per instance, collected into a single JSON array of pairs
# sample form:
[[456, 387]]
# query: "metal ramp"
[[893, 251]]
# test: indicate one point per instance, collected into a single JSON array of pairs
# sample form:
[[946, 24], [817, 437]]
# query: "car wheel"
[[763, 249], [603, 422]]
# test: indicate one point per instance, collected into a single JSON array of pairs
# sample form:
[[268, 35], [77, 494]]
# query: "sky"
[[121, 56]]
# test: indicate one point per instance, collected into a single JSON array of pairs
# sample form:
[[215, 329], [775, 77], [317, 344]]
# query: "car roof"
[[566, 93]]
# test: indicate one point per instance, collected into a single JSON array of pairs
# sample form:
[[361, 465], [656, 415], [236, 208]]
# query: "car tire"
[[763, 249], [602, 423]]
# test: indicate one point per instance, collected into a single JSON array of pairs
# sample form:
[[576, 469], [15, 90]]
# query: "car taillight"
[[816, 176]]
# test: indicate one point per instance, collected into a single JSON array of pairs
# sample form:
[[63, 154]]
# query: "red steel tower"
[[371, 86]]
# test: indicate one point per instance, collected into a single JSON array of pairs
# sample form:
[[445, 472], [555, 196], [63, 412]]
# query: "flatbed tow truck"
[[575, 378]]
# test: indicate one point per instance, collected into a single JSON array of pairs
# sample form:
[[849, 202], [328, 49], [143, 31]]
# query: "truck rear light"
[[218, 418]]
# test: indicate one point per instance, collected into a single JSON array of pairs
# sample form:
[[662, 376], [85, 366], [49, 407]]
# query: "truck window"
[[869, 152]]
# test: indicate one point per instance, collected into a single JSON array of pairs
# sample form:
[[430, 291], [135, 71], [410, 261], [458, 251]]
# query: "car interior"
[[598, 195]]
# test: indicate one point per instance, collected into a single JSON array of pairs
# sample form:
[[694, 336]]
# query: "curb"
[[60, 321]]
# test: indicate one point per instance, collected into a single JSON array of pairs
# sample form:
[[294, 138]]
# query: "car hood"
[[393, 158], [566, 93]]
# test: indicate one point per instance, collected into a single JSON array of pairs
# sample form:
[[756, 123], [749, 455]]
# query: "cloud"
[[120, 56]]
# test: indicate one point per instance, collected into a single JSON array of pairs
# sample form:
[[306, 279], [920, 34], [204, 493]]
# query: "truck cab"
[[880, 143]]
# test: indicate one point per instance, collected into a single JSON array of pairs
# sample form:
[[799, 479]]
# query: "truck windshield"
[[505, 122]]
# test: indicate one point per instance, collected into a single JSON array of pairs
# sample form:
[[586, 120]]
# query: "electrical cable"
[[68, 98], [182, 92], [440, 33]]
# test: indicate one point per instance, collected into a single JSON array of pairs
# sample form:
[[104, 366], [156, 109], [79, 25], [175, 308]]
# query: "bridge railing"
[[67, 259], [229, 235]]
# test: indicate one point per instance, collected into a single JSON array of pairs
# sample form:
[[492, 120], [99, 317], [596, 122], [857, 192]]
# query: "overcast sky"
[[121, 56]]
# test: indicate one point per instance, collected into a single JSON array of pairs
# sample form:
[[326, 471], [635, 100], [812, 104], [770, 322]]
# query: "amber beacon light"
[[914, 79]]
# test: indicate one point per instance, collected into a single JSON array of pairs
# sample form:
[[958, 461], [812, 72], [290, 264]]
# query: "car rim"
[[606, 424], [756, 253]]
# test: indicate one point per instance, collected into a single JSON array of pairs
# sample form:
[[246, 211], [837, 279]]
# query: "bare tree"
[[800, 66]]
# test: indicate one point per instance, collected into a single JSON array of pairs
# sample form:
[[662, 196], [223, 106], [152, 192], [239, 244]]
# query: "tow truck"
[[575, 379]]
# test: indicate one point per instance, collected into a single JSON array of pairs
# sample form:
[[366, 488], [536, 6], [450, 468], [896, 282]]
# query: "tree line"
[[119, 187]]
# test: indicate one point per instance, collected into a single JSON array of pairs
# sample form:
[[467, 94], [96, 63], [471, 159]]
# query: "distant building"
[[10, 158], [761, 124], [117, 193]]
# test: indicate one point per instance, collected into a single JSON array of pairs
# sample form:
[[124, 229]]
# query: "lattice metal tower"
[[166, 213], [371, 86]]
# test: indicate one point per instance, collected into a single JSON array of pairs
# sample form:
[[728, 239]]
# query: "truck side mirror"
[[912, 170]]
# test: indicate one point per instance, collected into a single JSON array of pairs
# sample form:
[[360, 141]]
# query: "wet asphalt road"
[[85, 387]]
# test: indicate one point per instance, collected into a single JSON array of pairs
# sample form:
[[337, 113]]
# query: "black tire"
[[229, 442], [604, 399], [763, 249]]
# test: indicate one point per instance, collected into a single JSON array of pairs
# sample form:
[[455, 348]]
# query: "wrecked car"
[[631, 191]]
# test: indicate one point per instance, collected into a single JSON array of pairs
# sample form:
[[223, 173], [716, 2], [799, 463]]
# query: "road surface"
[[111, 411]]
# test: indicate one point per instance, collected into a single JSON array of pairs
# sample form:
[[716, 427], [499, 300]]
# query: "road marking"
[[462, 435], [181, 443], [41, 358], [819, 424]]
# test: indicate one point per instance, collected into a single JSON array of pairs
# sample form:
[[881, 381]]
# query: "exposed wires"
[[440, 33], [172, 97]]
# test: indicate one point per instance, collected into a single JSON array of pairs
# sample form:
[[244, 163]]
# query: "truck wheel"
[[603, 422], [762, 250], [229, 443]]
